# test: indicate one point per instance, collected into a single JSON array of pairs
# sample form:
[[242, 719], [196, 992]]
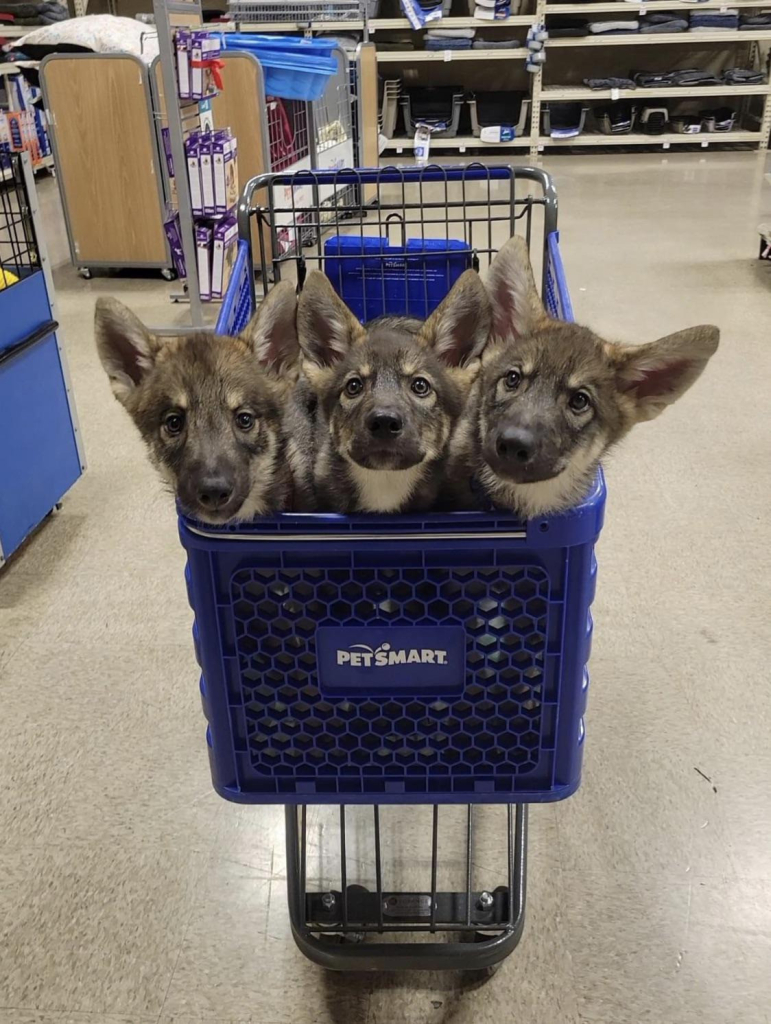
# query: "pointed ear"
[[459, 328], [126, 348], [656, 375], [272, 331], [517, 307], [325, 326]]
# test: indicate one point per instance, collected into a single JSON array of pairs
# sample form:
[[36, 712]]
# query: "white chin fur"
[[384, 490], [555, 495]]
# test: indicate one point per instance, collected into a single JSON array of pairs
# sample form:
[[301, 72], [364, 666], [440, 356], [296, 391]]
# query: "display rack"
[[169, 16], [755, 41]]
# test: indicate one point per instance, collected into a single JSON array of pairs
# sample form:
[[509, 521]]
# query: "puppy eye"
[[420, 387], [354, 387], [579, 401], [173, 423], [513, 377], [244, 420]]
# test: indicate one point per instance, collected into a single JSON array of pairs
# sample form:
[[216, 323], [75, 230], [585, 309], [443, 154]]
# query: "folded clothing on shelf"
[[682, 76], [742, 76], [714, 20], [609, 83], [496, 44], [747, 22], [451, 33], [498, 13], [445, 43], [564, 27], [663, 23], [613, 27], [651, 79]]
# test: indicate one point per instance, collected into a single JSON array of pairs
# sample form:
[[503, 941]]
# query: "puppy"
[[209, 408], [388, 395], [552, 397]]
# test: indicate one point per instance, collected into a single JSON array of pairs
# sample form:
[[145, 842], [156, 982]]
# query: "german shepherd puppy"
[[552, 397], [388, 395], [209, 408]]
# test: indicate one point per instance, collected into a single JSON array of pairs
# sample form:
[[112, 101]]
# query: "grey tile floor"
[[130, 894]]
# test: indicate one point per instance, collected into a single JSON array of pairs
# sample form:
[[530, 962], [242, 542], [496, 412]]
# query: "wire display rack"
[[297, 11], [19, 254]]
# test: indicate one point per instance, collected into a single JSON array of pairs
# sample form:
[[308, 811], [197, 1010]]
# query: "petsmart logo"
[[364, 656]]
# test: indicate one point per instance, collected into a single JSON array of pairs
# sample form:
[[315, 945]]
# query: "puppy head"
[[391, 392], [555, 396], [208, 407]]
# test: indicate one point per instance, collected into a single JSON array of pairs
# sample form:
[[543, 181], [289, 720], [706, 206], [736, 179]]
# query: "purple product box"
[[203, 246], [224, 255], [192, 154], [182, 41], [207, 177], [171, 227]]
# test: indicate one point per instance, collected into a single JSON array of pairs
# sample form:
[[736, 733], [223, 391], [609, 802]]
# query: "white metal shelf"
[[380, 24], [15, 31], [637, 139], [420, 56], [657, 38], [459, 142], [570, 92], [649, 5]]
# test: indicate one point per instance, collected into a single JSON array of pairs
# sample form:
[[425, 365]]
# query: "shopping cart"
[[396, 660]]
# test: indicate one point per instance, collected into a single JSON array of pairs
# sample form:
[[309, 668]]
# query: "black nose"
[[384, 425], [516, 444], [214, 492]]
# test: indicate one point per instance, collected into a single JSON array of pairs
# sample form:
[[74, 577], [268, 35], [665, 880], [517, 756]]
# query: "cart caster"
[[85, 273], [168, 274]]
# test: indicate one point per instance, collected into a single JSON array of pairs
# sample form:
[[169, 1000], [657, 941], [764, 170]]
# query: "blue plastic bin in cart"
[[396, 660]]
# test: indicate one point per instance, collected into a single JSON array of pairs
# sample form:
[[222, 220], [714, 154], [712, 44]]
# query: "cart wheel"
[[168, 274], [85, 273]]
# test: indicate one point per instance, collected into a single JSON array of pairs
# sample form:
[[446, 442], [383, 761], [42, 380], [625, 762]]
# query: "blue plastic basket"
[[292, 69], [395, 659], [412, 280]]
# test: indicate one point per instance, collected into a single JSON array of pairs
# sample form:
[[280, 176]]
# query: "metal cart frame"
[[332, 925]]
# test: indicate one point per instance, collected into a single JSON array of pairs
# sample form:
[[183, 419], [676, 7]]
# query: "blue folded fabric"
[[704, 19], [445, 43]]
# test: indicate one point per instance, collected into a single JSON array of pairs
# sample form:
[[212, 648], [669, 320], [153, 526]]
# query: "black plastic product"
[[654, 120], [615, 118]]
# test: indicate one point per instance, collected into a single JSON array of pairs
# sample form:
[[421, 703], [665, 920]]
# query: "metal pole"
[[190, 9]]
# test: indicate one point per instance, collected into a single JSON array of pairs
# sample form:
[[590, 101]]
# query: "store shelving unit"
[[535, 142]]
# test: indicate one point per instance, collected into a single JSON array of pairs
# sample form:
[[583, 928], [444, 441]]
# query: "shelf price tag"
[[615, 93], [447, 56]]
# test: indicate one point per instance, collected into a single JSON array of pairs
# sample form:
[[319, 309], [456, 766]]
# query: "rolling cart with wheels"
[[380, 662]]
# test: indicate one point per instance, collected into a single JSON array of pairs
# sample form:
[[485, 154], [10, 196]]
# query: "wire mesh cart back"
[[436, 659]]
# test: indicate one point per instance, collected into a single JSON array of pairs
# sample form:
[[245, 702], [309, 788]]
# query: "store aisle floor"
[[131, 894]]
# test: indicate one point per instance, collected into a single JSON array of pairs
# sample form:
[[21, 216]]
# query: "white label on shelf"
[[665, 145], [723, 10], [704, 143], [448, 55], [615, 93]]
